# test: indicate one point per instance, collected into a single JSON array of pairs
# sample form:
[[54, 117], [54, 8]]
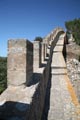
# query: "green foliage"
[[38, 39], [74, 28], [3, 73]]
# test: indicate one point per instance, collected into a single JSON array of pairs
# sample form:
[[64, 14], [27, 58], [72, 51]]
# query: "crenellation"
[[36, 55], [43, 52], [19, 64]]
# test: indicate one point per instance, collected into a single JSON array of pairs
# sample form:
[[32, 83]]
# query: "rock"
[[73, 67], [75, 61]]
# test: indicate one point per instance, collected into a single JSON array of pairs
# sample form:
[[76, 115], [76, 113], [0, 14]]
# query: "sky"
[[31, 18]]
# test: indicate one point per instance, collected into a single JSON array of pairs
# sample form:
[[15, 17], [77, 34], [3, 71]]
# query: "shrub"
[[38, 39], [3, 74], [73, 27]]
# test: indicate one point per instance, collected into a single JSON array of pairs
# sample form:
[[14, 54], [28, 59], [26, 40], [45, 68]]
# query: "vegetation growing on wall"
[[73, 27], [38, 39], [3, 74]]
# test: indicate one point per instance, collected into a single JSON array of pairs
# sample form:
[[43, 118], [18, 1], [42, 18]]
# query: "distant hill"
[[3, 74]]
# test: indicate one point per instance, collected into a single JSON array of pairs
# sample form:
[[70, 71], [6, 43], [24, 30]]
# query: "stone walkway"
[[64, 104]]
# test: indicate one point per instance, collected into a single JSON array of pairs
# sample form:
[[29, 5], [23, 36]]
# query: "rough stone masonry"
[[20, 62]]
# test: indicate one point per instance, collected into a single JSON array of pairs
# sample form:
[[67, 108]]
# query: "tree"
[[38, 39], [3, 74], [73, 27]]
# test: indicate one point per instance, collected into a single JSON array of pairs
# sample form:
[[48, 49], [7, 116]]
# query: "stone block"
[[20, 62]]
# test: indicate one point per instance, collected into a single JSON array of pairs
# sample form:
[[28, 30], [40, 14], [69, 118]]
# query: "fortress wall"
[[24, 59]]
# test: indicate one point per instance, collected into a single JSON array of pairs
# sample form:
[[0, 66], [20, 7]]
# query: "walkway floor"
[[64, 104]]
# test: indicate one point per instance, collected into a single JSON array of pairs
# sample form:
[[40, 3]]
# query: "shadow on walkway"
[[13, 110]]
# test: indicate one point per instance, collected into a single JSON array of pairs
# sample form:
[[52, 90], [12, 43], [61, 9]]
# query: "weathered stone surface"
[[43, 52], [20, 62], [36, 55]]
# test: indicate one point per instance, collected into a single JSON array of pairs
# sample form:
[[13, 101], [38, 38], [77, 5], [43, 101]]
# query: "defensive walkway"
[[63, 101]]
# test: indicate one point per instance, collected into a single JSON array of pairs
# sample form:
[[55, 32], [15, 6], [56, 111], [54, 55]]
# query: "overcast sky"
[[31, 18]]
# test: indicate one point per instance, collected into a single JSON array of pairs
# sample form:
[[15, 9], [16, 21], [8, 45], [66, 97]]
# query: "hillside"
[[73, 65]]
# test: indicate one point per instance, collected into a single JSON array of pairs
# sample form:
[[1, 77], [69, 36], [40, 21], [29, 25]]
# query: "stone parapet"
[[20, 62]]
